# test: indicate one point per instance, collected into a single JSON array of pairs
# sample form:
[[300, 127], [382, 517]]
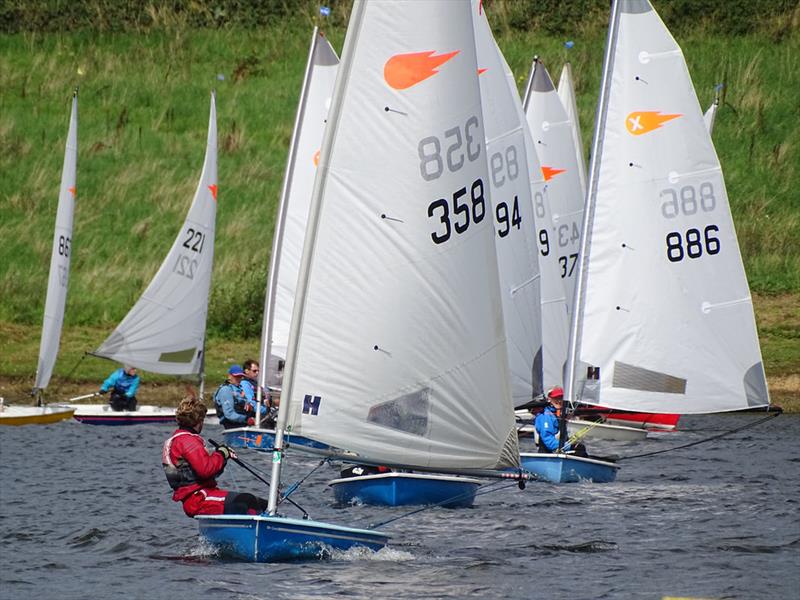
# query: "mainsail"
[[566, 92], [164, 332], [665, 320], [290, 226], [512, 210], [397, 349], [60, 257], [552, 132]]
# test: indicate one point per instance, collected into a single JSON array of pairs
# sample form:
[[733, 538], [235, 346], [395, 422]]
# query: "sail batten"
[[169, 319]]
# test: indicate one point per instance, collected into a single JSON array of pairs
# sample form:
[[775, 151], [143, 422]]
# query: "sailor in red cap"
[[547, 422]]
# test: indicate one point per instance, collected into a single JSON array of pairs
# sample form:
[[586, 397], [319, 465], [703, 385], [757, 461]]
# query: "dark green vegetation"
[[144, 77]]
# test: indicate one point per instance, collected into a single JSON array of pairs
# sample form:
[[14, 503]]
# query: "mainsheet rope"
[[698, 442]]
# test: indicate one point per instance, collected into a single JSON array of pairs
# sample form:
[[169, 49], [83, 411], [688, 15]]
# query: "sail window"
[[407, 413]]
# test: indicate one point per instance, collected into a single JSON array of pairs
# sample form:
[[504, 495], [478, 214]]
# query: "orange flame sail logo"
[[72, 191], [213, 188], [640, 122], [550, 172], [405, 70], [316, 158]]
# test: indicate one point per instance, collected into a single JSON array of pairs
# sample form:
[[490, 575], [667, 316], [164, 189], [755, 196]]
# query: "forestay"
[[552, 133], [290, 228], [512, 210], [566, 93], [665, 322], [60, 257], [397, 350], [164, 332]]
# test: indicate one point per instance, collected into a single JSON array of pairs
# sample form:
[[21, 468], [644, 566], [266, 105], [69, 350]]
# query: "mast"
[[277, 240], [529, 85], [588, 215], [343, 76]]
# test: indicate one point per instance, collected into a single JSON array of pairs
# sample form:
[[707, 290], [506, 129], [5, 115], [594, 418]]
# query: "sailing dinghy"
[[165, 330], [56, 292], [682, 339], [289, 236], [395, 353]]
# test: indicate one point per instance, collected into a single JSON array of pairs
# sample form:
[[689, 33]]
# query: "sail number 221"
[[193, 242]]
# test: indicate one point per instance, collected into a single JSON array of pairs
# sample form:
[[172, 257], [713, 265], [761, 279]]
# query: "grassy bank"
[[143, 117]]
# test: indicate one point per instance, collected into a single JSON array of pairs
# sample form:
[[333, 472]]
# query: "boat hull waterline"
[[567, 468], [103, 414], [258, 538], [33, 415], [403, 489]]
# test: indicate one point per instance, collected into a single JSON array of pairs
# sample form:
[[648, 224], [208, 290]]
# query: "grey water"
[[85, 512]]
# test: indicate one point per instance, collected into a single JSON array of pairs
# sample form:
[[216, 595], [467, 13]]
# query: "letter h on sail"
[[311, 404]]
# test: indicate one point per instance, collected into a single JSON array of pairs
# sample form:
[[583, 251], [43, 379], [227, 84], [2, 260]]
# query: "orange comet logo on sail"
[[213, 188], [72, 191], [550, 172], [405, 70], [640, 122], [316, 158]]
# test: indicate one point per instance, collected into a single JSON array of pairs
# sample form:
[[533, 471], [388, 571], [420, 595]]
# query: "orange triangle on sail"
[[72, 191], [213, 188], [550, 172], [405, 70]]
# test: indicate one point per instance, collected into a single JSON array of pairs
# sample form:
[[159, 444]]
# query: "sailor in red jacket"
[[191, 470]]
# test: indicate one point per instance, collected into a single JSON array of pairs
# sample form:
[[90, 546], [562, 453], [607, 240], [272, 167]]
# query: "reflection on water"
[[86, 513]]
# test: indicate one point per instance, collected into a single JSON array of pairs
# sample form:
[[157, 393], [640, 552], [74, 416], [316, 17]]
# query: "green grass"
[[143, 118]]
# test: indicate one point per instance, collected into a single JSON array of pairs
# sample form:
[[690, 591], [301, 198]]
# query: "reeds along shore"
[[143, 112]]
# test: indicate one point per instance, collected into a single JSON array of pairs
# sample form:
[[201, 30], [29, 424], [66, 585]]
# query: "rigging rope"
[[714, 437], [68, 375]]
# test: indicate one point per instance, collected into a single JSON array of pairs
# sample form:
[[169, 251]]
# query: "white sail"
[[164, 332], [555, 320], [290, 227], [566, 92], [512, 209], [552, 133], [665, 320], [397, 349], [60, 257]]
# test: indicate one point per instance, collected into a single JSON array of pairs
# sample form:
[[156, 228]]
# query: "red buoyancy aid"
[[188, 465]]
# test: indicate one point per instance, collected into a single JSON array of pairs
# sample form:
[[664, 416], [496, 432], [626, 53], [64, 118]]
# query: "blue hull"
[[264, 439], [565, 468], [258, 538], [402, 489]]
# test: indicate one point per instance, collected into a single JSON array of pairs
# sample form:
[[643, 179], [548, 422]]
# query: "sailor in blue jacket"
[[231, 402], [547, 422], [123, 384]]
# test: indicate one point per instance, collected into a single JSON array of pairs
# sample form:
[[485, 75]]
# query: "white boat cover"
[[566, 92], [665, 321], [165, 330], [512, 209], [397, 350], [60, 257], [552, 133], [301, 166]]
